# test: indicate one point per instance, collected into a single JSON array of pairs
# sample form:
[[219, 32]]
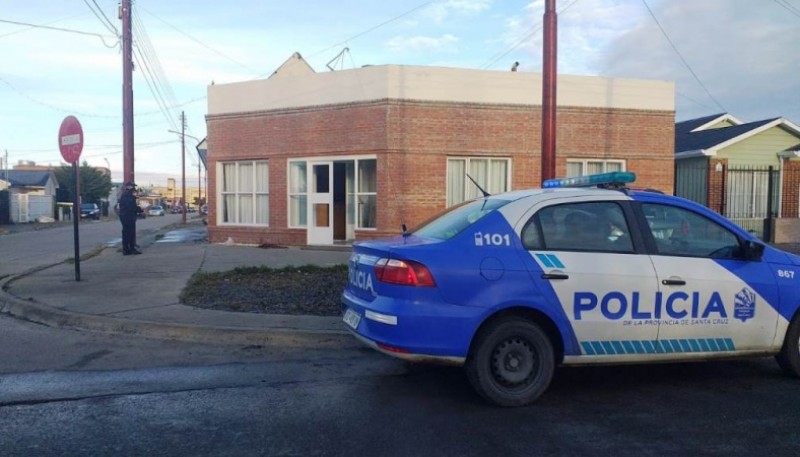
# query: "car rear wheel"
[[511, 362], [789, 357]]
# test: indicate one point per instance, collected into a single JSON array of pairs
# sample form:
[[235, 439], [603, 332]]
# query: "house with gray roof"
[[747, 171], [31, 193]]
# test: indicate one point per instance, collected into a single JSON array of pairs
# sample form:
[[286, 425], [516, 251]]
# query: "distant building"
[[32, 194], [323, 158]]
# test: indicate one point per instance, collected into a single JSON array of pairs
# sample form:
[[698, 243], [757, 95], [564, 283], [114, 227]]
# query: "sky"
[[734, 56]]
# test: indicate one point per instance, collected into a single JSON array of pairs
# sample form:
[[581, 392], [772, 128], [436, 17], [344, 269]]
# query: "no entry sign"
[[70, 139]]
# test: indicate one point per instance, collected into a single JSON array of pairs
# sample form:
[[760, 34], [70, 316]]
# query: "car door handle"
[[673, 282], [555, 276]]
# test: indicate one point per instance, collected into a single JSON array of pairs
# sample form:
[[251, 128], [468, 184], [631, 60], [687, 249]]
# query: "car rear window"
[[457, 218]]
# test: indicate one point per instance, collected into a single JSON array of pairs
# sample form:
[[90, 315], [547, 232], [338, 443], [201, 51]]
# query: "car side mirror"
[[752, 250]]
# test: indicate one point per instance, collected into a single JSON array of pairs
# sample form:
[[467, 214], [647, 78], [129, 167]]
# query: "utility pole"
[[549, 91], [127, 91], [183, 135], [183, 165]]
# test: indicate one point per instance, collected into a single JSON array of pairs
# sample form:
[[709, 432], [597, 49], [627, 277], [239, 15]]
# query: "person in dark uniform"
[[128, 212]]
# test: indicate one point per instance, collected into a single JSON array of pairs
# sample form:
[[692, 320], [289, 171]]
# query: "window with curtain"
[[584, 167], [493, 175], [245, 193], [367, 193], [298, 194]]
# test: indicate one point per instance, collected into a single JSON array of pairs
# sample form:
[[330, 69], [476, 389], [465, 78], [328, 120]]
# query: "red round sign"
[[70, 139]]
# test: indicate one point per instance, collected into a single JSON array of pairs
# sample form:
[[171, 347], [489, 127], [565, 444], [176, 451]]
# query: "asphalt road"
[[68, 393], [92, 394]]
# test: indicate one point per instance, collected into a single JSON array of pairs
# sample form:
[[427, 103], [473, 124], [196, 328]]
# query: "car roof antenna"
[[485, 194]]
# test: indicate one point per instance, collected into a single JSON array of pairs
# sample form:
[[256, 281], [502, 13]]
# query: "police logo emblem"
[[744, 306]]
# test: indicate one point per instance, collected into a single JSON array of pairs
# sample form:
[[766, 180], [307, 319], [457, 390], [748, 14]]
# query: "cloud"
[[442, 10], [740, 51], [585, 29], [417, 43]]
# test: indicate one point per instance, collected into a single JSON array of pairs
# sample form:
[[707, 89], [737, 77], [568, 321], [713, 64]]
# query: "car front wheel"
[[789, 357], [511, 362]]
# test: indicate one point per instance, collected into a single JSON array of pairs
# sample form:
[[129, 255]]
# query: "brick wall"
[[412, 141], [717, 192], [791, 189]]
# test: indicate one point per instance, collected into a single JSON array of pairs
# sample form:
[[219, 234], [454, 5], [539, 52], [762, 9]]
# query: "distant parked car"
[[191, 209], [204, 210], [155, 210], [90, 211], [176, 210]]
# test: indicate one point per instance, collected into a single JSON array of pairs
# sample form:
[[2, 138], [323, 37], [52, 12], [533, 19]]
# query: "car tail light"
[[403, 272]]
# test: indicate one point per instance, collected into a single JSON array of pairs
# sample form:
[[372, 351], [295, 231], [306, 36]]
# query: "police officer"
[[128, 212]]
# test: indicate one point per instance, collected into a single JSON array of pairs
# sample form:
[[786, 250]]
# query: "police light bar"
[[612, 179]]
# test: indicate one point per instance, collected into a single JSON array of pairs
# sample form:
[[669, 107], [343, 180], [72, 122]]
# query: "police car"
[[583, 271]]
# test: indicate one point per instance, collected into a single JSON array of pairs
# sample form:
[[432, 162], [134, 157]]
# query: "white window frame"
[[467, 183], [221, 194], [290, 194], [585, 162], [351, 195], [357, 194]]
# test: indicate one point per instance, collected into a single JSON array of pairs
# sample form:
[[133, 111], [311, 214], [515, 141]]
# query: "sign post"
[[70, 142]]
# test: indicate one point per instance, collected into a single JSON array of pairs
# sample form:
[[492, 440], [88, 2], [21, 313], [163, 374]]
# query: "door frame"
[[319, 211]]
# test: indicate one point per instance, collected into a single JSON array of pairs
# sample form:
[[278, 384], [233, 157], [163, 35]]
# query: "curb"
[[52, 317]]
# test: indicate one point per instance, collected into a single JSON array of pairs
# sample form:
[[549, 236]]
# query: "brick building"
[[322, 158]]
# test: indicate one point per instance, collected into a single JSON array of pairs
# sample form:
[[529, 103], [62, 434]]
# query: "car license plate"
[[351, 318]]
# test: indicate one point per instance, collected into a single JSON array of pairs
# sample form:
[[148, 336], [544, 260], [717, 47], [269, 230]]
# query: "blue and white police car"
[[512, 285]]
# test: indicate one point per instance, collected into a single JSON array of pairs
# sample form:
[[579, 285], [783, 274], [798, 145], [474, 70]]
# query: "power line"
[[92, 115], [680, 94], [360, 34], [199, 42], [789, 7], [61, 29], [685, 63], [33, 27], [157, 80], [519, 43], [100, 15]]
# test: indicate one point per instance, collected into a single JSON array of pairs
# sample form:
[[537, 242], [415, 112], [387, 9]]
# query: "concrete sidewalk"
[[139, 295]]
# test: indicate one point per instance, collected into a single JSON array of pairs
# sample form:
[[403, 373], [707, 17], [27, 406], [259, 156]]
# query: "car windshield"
[[87, 205], [457, 218], [156, 208]]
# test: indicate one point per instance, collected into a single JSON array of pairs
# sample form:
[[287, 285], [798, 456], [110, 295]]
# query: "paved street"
[[107, 395], [66, 392]]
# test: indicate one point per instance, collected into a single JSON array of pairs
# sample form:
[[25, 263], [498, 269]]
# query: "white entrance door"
[[320, 199]]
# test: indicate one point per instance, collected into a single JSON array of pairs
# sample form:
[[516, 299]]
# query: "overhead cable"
[[98, 13], [685, 63], [61, 29], [522, 40]]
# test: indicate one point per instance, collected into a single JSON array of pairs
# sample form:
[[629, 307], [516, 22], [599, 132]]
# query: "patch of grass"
[[307, 289]]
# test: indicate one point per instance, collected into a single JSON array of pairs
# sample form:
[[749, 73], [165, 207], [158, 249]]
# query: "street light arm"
[[186, 134]]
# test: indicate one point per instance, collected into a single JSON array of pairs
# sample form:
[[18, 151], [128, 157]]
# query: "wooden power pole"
[[549, 60], [127, 91]]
